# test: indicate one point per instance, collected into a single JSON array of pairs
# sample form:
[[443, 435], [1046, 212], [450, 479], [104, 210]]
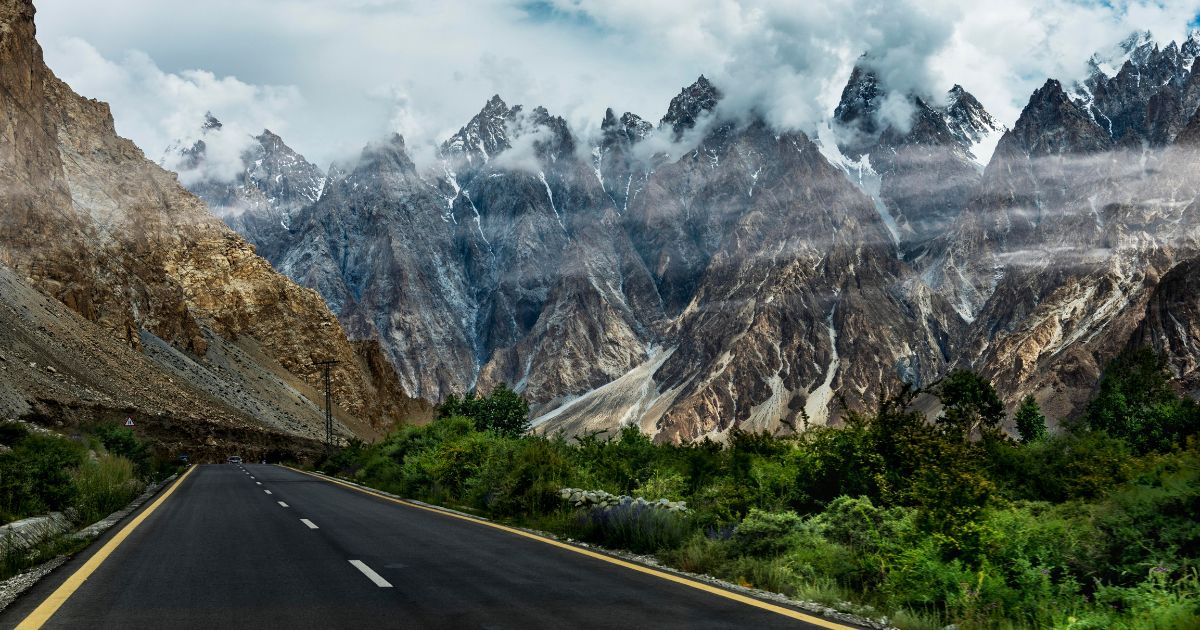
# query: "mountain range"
[[689, 276], [710, 272]]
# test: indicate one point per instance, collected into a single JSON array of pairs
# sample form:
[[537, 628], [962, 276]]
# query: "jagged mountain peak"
[[1053, 124], [1135, 74], [610, 119], [269, 185], [971, 124], [1191, 45], [860, 98], [691, 102], [485, 135], [388, 154], [210, 122], [862, 129], [629, 127]]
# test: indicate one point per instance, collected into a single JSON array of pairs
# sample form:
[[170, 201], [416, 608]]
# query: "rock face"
[[1172, 322], [708, 272], [1141, 92], [1064, 244], [260, 201], [726, 284], [90, 222]]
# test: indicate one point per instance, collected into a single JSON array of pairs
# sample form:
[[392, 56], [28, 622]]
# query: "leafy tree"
[[1136, 403], [120, 440], [503, 411], [970, 405], [1031, 424], [452, 406]]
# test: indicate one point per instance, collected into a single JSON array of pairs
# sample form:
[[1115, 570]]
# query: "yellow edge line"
[[51, 604], [737, 597]]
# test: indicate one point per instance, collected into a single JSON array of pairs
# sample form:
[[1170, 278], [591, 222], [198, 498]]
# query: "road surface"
[[259, 546]]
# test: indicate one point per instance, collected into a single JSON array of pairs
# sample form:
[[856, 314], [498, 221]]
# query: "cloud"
[[157, 109], [368, 67]]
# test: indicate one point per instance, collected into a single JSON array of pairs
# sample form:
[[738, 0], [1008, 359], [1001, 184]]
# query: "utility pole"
[[326, 365]]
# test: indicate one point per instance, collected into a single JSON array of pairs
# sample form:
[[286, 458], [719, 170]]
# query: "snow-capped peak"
[[972, 125]]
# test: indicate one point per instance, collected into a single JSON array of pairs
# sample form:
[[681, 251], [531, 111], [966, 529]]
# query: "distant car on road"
[[235, 460]]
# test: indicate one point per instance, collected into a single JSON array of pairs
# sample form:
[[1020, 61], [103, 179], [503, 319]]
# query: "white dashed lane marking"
[[267, 491], [311, 525], [371, 575], [282, 504]]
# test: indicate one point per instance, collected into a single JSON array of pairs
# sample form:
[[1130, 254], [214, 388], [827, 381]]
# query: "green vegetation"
[[929, 523], [502, 411], [1031, 424], [87, 478]]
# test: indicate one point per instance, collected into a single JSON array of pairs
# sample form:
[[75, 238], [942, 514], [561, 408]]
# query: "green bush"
[[1075, 465], [120, 440], [104, 486], [638, 528], [766, 534], [36, 475], [1031, 424]]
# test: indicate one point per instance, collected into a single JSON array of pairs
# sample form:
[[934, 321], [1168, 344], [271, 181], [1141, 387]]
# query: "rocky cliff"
[[92, 223]]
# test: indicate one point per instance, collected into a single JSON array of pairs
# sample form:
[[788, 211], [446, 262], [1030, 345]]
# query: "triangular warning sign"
[[128, 422]]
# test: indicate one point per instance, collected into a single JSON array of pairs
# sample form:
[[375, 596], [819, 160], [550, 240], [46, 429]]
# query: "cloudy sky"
[[330, 75]]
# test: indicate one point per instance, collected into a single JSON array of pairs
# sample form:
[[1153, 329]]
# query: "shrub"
[[524, 477], [970, 404], [1074, 465], [105, 485], [120, 440], [11, 433], [698, 554], [637, 527], [663, 484], [766, 534], [35, 476]]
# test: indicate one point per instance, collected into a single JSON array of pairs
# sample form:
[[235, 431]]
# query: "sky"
[[331, 75]]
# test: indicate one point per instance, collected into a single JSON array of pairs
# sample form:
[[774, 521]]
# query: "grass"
[[104, 486], [14, 560]]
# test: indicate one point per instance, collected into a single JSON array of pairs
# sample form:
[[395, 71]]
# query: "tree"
[[503, 411], [970, 405], [1136, 403], [1031, 424], [452, 406]]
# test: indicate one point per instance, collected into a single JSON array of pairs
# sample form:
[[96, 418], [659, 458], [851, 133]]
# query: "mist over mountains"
[[710, 270]]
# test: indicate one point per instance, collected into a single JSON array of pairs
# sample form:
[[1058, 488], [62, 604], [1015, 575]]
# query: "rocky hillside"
[[89, 221], [708, 271]]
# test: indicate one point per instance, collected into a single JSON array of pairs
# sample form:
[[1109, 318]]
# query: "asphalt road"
[[267, 547]]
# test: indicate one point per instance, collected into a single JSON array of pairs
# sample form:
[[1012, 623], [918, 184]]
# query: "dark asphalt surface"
[[221, 553]]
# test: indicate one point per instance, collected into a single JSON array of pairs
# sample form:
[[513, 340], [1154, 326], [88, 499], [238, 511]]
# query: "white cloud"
[[157, 108], [367, 67]]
